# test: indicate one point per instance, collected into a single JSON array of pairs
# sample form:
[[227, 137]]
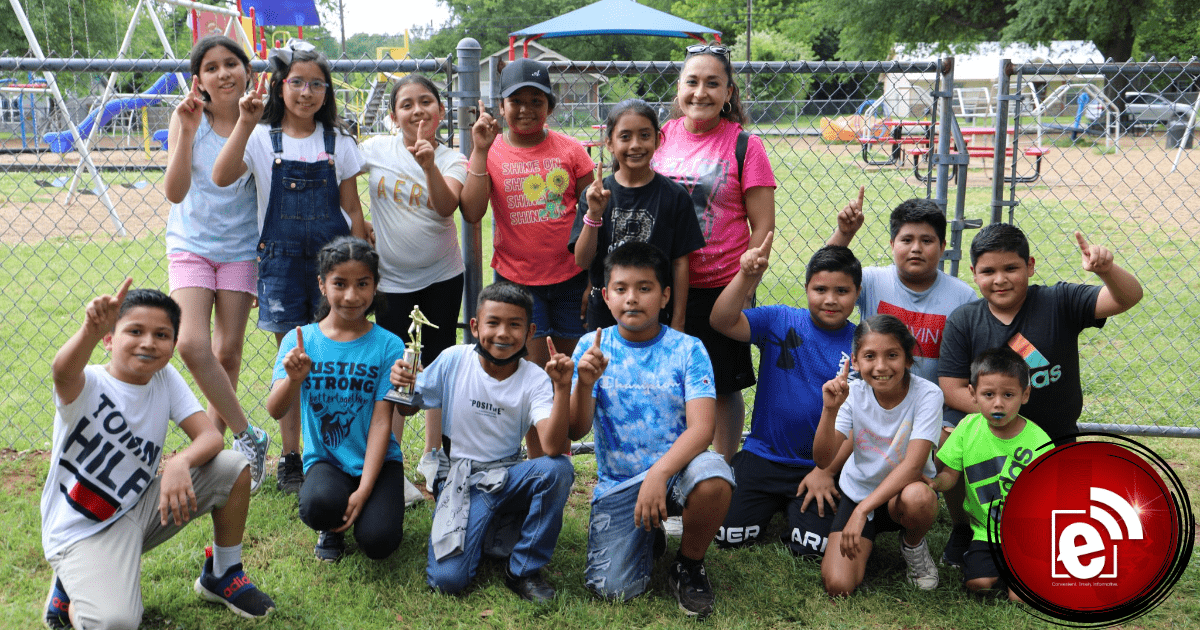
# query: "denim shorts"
[[288, 293], [557, 308], [620, 554]]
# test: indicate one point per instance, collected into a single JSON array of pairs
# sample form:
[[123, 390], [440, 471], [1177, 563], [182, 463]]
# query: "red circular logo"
[[1091, 533]]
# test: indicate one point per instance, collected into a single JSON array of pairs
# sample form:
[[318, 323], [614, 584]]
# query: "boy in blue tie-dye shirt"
[[649, 392]]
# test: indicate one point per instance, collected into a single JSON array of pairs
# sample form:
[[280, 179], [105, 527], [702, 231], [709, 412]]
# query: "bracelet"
[[483, 174], [592, 222]]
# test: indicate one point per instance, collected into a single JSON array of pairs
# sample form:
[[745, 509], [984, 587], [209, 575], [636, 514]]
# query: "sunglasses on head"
[[697, 49]]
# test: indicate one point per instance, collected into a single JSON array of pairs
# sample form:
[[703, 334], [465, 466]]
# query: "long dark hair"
[[280, 68], [196, 57], [734, 113]]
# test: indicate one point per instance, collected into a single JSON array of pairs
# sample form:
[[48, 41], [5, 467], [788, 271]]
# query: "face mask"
[[520, 354]]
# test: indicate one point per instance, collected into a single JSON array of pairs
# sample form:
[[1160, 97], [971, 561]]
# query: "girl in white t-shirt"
[[888, 422], [304, 162], [211, 236], [415, 183]]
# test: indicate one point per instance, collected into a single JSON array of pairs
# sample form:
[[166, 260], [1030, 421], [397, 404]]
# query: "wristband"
[[592, 222]]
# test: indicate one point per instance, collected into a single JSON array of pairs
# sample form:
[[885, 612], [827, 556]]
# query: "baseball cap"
[[524, 73]]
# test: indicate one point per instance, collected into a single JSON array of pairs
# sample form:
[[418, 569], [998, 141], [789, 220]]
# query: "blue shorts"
[[621, 554], [288, 293], [557, 308]]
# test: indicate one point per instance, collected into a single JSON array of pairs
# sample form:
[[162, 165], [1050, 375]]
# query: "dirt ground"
[[1134, 184]]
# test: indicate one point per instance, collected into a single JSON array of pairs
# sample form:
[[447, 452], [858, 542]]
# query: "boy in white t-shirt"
[[491, 399], [103, 505]]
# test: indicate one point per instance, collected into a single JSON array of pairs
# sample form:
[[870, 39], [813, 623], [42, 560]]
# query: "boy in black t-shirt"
[[1042, 323]]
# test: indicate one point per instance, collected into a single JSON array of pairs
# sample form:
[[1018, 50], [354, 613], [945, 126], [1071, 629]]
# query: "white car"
[[1144, 108]]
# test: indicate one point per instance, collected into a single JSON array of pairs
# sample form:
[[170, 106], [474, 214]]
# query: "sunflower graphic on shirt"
[[548, 191]]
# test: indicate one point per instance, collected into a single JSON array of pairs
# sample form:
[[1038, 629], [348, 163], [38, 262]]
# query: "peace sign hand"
[[485, 129], [1096, 259], [101, 314], [754, 261], [190, 110], [835, 391], [597, 195], [422, 149], [251, 106], [296, 362]]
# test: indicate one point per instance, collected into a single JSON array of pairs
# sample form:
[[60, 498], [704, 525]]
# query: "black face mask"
[[520, 354]]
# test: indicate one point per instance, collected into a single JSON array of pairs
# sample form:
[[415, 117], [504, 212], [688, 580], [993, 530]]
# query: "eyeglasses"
[[300, 84], [697, 49]]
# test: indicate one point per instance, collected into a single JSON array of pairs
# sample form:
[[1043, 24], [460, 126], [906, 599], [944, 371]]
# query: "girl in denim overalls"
[[304, 164]]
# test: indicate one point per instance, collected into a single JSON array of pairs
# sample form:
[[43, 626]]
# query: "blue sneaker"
[[56, 607], [234, 590]]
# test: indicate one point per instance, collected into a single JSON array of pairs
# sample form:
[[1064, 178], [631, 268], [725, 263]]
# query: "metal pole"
[[1002, 101], [468, 54]]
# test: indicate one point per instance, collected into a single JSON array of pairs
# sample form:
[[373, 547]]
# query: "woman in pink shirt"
[[735, 204]]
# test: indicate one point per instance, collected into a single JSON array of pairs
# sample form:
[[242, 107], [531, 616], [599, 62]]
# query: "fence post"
[[1003, 98], [467, 96], [947, 127]]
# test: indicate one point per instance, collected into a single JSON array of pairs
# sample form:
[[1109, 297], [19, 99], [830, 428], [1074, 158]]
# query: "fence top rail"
[[1190, 67], [741, 67], [67, 64]]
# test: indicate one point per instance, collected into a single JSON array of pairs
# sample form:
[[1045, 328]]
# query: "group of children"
[[663, 256]]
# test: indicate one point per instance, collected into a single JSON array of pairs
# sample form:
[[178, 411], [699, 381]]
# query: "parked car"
[[1144, 108]]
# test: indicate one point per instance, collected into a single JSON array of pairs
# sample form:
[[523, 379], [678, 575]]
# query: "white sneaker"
[[673, 526], [411, 494], [921, 569], [253, 443]]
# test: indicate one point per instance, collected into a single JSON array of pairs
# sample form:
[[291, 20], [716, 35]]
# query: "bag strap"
[[743, 141]]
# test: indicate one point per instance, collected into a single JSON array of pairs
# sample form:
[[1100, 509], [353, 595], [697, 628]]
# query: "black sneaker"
[[56, 607], [289, 475], [956, 546], [234, 590], [331, 546], [692, 589], [530, 587]]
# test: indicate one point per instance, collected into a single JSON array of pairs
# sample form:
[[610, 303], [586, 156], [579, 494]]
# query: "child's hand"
[[850, 219], [651, 508], [101, 314], [560, 367], [403, 374], [296, 361], [485, 129], [835, 392], [251, 106], [852, 535], [755, 260], [931, 482], [818, 485], [597, 195], [1096, 259], [422, 149], [190, 110], [593, 363], [354, 506], [176, 496]]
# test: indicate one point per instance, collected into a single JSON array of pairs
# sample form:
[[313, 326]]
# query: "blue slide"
[[62, 141]]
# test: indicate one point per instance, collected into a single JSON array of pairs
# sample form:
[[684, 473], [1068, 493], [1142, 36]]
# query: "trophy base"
[[412, 399]]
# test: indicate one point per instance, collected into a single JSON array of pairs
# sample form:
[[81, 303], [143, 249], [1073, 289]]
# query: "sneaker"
[[253, 443], [234, 590], [674, 526], [289, 475], [692, 589], [412, 495], [530, 587], [56, 607], [921, 569], [956, 547], [331, 546]]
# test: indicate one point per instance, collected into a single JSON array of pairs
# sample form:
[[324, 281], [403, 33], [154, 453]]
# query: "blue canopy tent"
[[282, 12], [610, 17]]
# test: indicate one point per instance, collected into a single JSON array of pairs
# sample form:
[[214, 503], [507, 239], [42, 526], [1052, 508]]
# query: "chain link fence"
[[71, 232]]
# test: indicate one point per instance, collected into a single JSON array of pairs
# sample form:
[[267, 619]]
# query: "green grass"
[[758, 587]]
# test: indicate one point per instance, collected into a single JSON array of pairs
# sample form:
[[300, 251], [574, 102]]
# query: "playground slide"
[[62, 141]]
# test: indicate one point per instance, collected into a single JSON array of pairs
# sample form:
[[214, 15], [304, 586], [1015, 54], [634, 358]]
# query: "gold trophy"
[[407, 395]]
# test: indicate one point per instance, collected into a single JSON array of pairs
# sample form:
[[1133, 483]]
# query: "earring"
[[727, 108]]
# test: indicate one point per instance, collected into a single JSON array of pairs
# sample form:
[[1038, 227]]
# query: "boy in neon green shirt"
[[991, 447]]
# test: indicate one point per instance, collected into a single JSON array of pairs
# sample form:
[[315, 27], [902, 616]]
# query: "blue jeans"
[[538, 489], [621, 554], [557, 307]]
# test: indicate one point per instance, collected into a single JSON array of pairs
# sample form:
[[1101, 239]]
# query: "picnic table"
[[895, 136], [985, 152]]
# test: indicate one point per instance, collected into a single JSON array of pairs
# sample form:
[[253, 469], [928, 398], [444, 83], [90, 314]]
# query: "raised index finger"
[[420, 129], [123, 290], [1083, 244], [299, 339], [766, 244], [597, 344], [550, 346], [258, 88], [845, 371], [861, 191]]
